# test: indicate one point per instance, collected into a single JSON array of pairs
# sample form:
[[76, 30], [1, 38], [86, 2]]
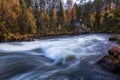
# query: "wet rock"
[[115, 51], [70, 58], [110, 63]]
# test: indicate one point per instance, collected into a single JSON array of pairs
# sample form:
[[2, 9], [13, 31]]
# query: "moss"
[[114, 60], [70, 58]]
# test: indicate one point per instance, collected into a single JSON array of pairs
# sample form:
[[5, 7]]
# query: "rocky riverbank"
[[115, 38]]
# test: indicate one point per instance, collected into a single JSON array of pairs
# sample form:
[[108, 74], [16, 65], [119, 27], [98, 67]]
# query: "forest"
[[21, 19], [59, 39]]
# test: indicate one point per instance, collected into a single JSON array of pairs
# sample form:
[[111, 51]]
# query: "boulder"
[[70, 58], [109, 63], [115, 51]]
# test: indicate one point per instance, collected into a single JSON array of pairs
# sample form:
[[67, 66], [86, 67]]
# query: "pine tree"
[[98, 7], [54, 19], [116, 21], [29, 3], [69, 3], [10, 12], [74, 12], [22, 23], [92, 21], [61, 13], [27, 21], [30, 20]]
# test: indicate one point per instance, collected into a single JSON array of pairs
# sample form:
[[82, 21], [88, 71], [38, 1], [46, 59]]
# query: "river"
[[63, 58]]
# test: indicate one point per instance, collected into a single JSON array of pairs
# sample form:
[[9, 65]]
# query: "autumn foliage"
[[45, 17]]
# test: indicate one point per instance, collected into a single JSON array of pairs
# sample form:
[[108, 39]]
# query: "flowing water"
[[64, 58]]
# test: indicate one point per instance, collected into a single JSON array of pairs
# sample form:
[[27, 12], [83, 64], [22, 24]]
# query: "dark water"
[[66, 58]]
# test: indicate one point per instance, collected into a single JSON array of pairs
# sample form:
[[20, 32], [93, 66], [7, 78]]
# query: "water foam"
[[19, 46], [59, 49]]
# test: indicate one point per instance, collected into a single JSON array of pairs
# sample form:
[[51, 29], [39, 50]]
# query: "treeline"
[[102, 15], [24, 18], [16, 19]]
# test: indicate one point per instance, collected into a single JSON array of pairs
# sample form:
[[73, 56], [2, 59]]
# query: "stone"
[[70, 58], [109, 63], [115, 51]]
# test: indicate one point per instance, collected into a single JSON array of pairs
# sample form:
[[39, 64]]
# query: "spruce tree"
[[61, 13]]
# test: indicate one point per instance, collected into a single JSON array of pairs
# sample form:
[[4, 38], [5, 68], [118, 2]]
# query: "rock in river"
[[111, 62]]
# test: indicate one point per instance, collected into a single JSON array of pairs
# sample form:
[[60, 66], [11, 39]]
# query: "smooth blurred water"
[[65, 58]]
